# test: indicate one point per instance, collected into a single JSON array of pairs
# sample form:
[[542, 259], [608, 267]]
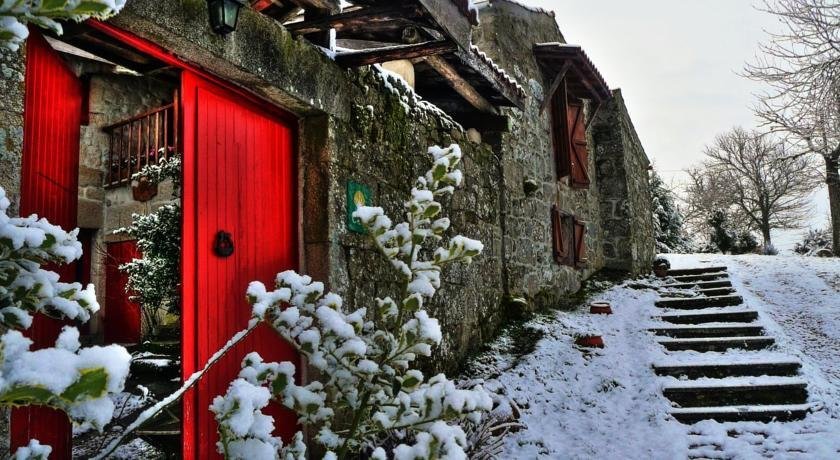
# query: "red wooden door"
[[122, 316], [49, 183], [240, 178]]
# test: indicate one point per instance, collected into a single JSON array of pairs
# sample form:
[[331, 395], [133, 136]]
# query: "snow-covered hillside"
[[609, 404]]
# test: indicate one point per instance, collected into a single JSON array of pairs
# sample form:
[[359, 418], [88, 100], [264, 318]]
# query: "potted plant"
[[661, 267]]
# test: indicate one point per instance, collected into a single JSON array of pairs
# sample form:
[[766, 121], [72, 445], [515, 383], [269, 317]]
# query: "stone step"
[[689, 332], [743, 316], [696, 303], [718, 343], [695, 271], [703, 277], [738, 391], [728, 369], [765, 414], [715, 292], [700, 284]]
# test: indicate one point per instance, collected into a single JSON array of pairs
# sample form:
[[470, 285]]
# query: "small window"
[[571, 152], [568, 238]]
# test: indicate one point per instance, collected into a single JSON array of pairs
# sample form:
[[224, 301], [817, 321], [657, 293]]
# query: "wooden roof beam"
[[561, 75], [459, 84], [357, 19], [321, 5], [394, 53]]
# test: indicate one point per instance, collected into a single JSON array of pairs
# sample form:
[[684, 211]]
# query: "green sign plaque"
[[357, 195]]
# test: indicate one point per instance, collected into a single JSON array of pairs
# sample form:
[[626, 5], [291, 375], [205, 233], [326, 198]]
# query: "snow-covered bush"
[[667, 219], [814, 241], [78, 381], [724, 239], [16, 14], [155, 278], [364, 356]]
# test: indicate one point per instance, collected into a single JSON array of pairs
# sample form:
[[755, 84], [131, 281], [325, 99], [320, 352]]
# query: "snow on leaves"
[[364, 355], [15, 14], [77, 380]]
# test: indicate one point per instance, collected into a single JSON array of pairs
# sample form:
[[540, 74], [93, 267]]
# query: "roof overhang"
[[583, 80]]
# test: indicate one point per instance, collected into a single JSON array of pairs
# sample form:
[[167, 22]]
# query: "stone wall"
[[12, 65], [507, 34], [622, 169], [365, 126]]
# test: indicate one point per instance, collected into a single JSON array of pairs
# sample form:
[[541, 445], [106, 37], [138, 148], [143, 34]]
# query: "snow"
[[33, 451], [608, 403]]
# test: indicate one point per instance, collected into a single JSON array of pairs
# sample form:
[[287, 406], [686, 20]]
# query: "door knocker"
[[223, 244]]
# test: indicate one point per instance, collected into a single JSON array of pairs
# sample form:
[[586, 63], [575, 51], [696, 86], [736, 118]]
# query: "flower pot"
[[590, 341], [660, 271], [143, 189], [600, 308]]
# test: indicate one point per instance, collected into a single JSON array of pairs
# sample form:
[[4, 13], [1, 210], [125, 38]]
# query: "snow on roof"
[[504, 76]]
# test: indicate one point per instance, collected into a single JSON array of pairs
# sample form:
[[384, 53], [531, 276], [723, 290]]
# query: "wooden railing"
[[139, 141]]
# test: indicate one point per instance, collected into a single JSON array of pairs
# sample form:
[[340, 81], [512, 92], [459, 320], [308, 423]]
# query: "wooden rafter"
[[322, 5], [459, 84], [364, 18], [394, 53], [561, 75]]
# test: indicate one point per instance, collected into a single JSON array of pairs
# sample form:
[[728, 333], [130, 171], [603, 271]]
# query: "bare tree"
[[759, 182], [705, 194], [801, 66]]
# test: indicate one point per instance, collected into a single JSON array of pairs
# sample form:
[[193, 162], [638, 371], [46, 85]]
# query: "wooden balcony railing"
[[139, 141]]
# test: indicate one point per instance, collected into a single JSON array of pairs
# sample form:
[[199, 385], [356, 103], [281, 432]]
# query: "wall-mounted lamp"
[[224, 14]]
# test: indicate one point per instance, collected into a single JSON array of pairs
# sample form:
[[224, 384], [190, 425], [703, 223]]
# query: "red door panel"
[[122, 316], [49, 183], [239, 178]]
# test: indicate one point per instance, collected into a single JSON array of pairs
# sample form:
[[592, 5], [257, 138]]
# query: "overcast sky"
[[676, 62]]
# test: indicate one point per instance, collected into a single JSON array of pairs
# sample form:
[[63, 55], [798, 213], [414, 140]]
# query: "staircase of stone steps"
[[736, 382]]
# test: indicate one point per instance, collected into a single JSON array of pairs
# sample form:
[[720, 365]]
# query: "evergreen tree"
[[667, 219]]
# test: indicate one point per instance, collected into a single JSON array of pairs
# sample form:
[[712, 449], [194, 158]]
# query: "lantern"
[[224, 14]]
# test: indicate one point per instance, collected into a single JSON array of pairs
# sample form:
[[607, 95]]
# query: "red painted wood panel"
[[239, 177], [49, 183], [121, 315]]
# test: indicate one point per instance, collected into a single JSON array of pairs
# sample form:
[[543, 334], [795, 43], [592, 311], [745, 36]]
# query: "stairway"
[[735, 381]]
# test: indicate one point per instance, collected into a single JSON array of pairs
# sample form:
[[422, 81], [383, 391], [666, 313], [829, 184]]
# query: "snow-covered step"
[[694, 303], [714, 316], [718, 343], [700, 284], [718, 330], [702, 277], [768, 413], [717, 291], [737, 391], [695, 271], [723, 369]]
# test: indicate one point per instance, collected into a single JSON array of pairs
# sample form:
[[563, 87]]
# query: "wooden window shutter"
[[579, 157], [562, 237], [580, 243], [560, 132]]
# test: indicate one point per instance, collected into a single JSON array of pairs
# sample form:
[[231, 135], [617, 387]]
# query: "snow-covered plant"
[[814, 241], [365, 356], [667, 219], [16, 14], [78, 381], [155, 278]]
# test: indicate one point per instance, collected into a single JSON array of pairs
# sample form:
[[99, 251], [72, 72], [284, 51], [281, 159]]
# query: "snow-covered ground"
[[609, 404]]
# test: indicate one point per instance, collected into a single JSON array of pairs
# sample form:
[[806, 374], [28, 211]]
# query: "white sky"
[[676, 62]]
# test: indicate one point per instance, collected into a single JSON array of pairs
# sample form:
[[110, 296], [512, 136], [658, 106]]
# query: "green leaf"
[[438, 172], [279, 384], [432, 210], [49, 241], [92, 384], [27, 395], [410, 381]]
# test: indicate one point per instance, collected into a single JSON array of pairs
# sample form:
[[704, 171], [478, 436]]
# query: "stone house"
[[283, 121]]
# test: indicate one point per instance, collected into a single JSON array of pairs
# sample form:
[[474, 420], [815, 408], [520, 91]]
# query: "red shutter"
[[49, 188], [580, 243], [560, 131], [579, 158], [239, 177], [563, 232], [121, 315]]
